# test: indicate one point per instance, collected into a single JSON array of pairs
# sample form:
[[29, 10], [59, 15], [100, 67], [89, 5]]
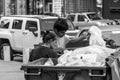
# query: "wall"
[[57, 6], [21, 7], [1, 7], [13, 7], [74, 6], [111, 9]]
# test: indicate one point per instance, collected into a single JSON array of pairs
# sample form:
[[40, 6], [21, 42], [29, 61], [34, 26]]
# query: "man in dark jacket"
[[44, 50]]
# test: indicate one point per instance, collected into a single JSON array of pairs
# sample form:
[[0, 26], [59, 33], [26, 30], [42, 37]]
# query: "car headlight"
[[114, 23], [104, 24]]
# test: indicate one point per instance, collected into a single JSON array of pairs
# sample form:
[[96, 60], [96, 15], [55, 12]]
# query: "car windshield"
[[93, 17]]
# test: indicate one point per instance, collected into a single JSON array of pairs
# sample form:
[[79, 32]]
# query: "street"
[[11, 70]]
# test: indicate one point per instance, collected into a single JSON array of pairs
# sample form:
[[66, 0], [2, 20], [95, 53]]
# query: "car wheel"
[[1, 51]]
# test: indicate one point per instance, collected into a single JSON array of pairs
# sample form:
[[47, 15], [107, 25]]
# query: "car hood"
[[105, 21]]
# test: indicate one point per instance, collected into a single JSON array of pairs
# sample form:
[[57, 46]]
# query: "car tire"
[[1, 51]]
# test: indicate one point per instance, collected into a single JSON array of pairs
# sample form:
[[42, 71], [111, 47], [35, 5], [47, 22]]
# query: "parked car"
[[88, 19], [109, 33]]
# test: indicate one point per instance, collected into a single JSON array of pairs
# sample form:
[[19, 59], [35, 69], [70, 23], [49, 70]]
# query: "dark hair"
[[61, 25], [48, 36]]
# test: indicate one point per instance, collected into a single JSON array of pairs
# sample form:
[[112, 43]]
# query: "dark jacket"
[[42, 52]]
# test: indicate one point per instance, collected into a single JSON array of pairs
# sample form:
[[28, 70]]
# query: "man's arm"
[[74, 39]]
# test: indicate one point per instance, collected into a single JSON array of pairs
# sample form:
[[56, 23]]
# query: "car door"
[[30, 40], [16, 31]]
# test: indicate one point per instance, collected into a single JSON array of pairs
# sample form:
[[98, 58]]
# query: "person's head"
[[48, 38], [60, 27]]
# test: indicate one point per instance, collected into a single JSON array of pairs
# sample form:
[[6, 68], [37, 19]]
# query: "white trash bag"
[[49, 62], [87, 56], [96, 37], [62, 60]]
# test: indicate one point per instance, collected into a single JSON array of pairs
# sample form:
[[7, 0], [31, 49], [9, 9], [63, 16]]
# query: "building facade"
[[13, 7], [1, 7], [60, 7], [44, 6]]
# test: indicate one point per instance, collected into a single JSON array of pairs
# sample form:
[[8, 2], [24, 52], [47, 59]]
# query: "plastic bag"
[[63, 59], [49, 62], [102, 52], [40, 61], [87, 56], [96, 37]]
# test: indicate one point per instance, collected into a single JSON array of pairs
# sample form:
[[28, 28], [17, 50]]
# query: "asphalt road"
[[11, 70]]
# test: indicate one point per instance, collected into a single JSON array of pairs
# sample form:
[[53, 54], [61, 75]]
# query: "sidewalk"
[[11, 70]]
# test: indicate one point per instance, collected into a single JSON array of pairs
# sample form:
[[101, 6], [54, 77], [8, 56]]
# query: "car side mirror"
[[33, 29]]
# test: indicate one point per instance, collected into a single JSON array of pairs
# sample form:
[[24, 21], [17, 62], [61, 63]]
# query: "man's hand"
[[59, 51]]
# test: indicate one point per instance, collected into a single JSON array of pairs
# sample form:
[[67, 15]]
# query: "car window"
[[5, 23], [85, 33], [93, 17], [31, 24], [17, 24], [71, 17], [81, 18]]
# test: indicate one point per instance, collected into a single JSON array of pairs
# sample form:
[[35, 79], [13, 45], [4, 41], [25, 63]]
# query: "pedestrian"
[[44, 50], [59, 29]]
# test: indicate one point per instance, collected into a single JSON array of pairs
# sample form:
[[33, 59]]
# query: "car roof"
[[83, 13], [33, 16]]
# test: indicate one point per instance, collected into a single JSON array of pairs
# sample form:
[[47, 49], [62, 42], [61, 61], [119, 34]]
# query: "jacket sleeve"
[[52, 54], [34, 54], [31, 58]]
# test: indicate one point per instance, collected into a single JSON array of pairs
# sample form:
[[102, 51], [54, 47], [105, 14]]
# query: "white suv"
[[22, 31]]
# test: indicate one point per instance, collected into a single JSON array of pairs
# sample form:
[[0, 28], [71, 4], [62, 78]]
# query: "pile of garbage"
[[93, 55], [86, 56]]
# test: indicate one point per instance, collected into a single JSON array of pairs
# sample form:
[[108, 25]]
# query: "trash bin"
[[35, 71]]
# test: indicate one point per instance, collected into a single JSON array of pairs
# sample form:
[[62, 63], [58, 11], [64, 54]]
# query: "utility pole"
[[3, 1]]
